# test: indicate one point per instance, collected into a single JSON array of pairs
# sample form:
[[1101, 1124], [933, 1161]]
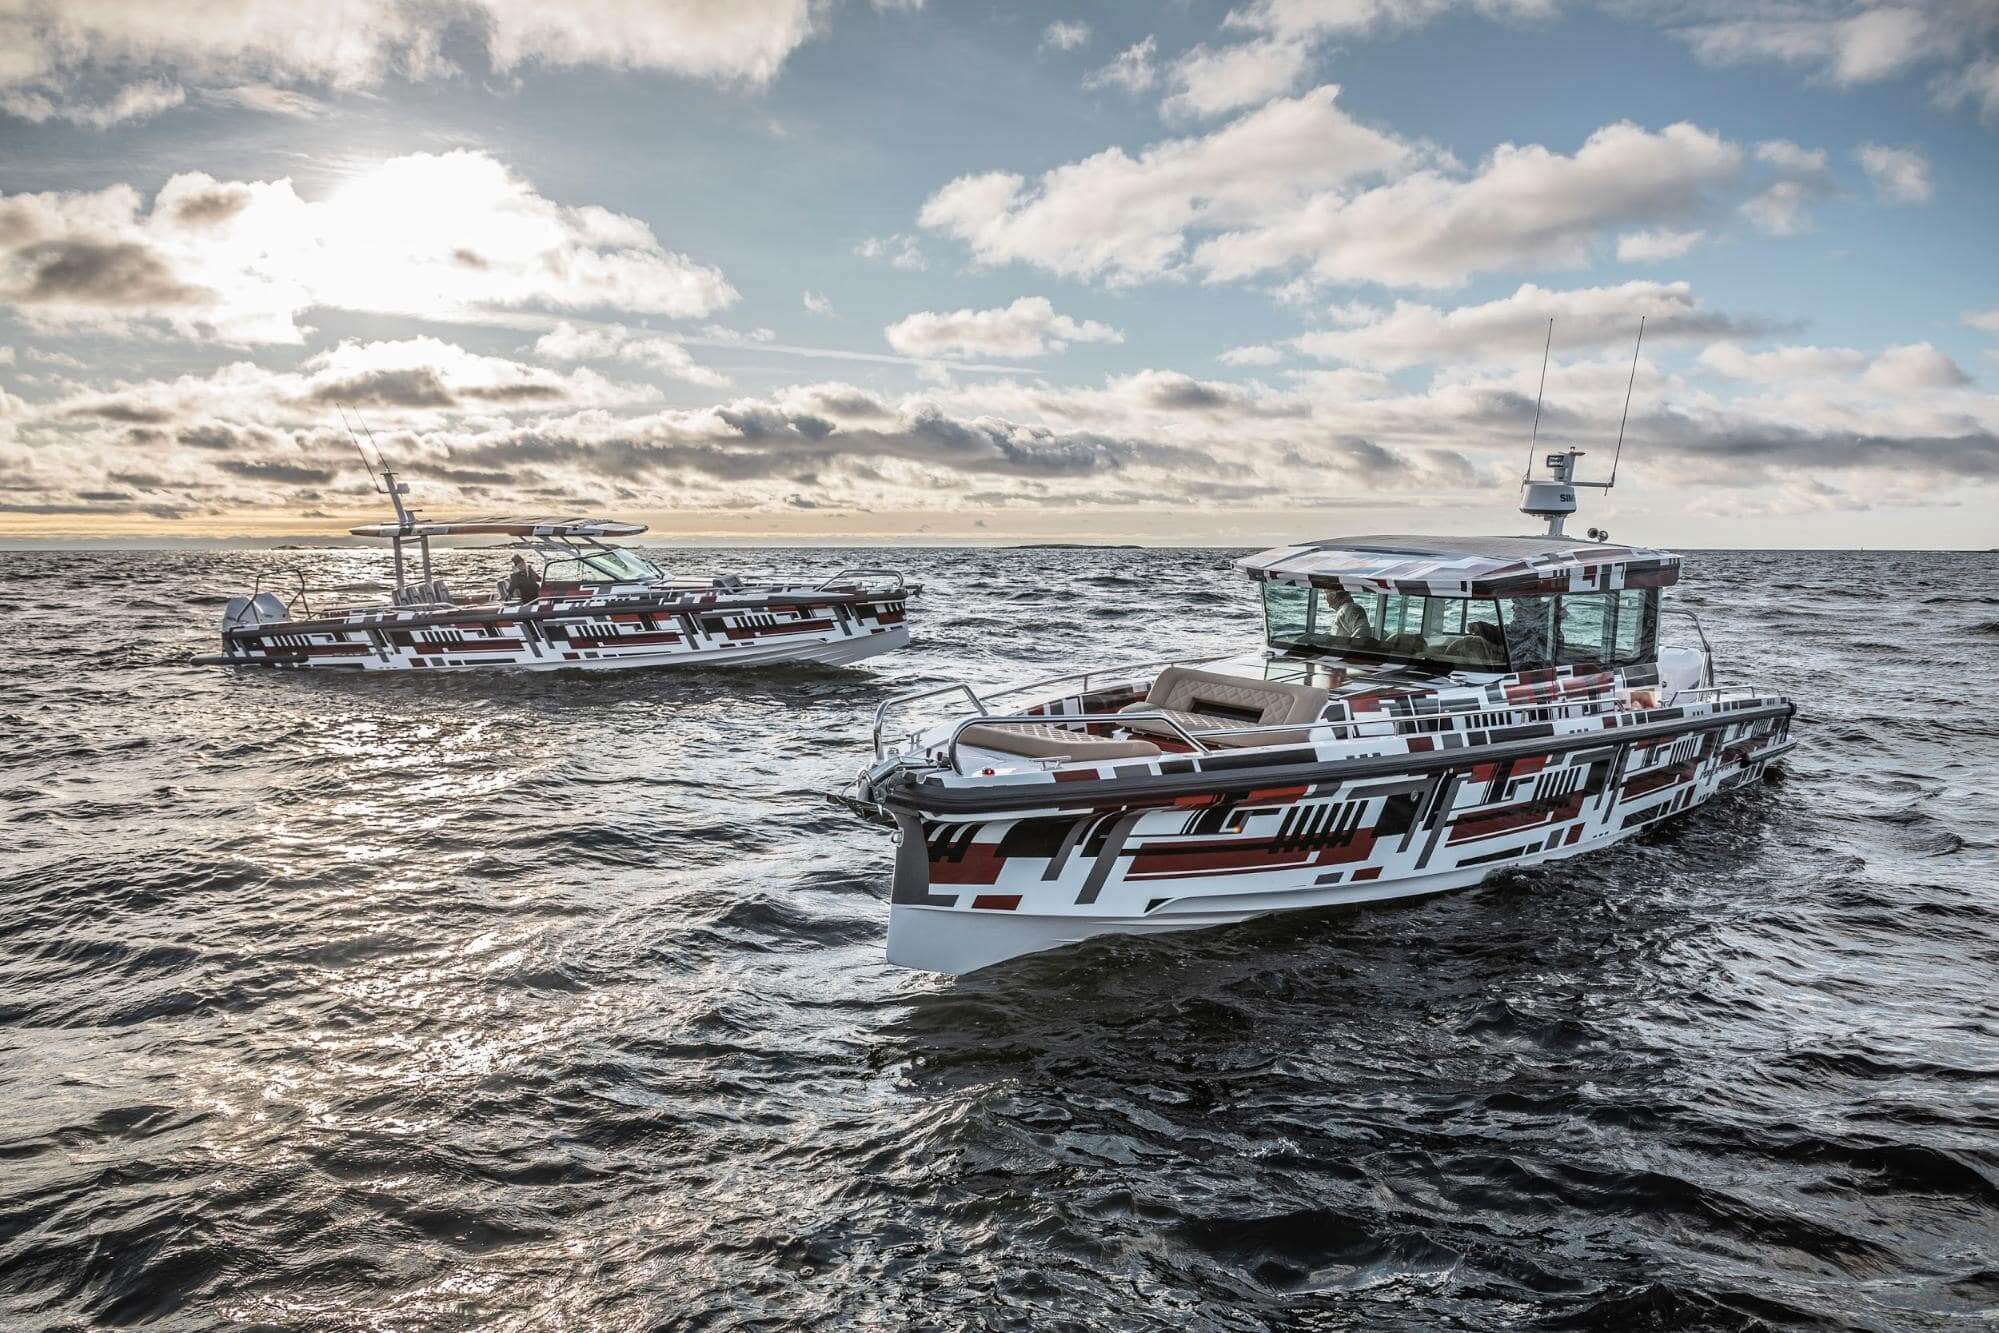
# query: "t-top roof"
[[504, 527], [1464, 566]]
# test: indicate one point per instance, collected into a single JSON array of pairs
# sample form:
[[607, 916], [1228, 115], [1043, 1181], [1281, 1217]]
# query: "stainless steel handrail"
[[862, 570], [896, 700], [1707, 649], [298, 598], [1123, 669]]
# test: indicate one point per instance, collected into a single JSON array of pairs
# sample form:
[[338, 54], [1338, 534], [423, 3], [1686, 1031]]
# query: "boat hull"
[[975, 888], [604, 635]]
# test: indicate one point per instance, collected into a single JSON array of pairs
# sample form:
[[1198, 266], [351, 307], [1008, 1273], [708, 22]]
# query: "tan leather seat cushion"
[[1181, 692], [1185, 690], [1038, 740]]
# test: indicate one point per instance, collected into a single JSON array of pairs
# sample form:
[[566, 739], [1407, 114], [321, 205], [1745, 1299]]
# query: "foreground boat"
[[597, 606], [1426, 711]]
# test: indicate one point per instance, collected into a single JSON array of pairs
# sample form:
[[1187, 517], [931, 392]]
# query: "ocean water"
[[511, 1001]]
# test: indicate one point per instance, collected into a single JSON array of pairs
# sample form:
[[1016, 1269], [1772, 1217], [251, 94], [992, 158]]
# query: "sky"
[[833, 270]]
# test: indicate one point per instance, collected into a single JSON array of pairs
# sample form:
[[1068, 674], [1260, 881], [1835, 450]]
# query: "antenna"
[[1627, 404], [386, 483], [1535, 435]]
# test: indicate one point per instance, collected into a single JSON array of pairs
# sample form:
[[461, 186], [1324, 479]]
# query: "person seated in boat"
[[522, 585], [1346, 618]]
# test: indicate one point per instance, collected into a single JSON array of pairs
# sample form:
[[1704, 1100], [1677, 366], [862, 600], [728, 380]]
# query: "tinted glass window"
[[1284, 612], [1637, 625], [1585, 629], [1529, 624]]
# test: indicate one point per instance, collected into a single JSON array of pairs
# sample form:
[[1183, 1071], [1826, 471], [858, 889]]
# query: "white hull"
[[833, 652], [939, 939], [976, 886]]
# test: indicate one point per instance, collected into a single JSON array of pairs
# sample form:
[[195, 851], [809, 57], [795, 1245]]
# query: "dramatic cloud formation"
[[1127, 218], [440, 237], [55, 45], [1028, 327], [1275, 191]]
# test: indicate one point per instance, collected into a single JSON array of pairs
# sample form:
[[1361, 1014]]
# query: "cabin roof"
[[504, 527], [1464, 566]]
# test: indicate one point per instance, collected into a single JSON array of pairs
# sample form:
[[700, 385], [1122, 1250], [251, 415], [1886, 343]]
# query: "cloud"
[[1207, 82], [1987, 320], [1639, 247], [566, 342], [1065, 35], [1900, 175], [1132, 70], [1843, 44], [1524, 205], [55, 46], [1514, 327], [269, 100], [1155, 439], [137, 101], [899, 249], [817, 303], [1802, 180], [1347, 18], [1916, 366], [1029, 327], [1257, 355], [1977, 82], [436, 236], [1127, 219], [1908, 369]]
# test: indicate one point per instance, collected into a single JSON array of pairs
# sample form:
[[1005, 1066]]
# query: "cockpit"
[[1497, 634], [1476, 604], [600, 564]]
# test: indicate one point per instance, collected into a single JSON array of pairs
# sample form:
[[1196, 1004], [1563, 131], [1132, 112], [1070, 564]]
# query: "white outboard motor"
[[262, 609], [1681, 669]]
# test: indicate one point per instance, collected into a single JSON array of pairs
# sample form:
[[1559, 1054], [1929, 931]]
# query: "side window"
[[1585, 635], [1529, 626], [1284, 611], [1637, 625]]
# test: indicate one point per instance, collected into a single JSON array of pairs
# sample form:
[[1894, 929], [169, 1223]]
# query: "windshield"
[[1447, 632], [610, 565]]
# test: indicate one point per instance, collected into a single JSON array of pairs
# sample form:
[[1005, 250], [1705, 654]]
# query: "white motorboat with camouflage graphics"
[[591, 604], [1425, 711]]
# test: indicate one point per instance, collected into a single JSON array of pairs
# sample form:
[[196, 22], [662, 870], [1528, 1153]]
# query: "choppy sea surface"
[[516, 1001]]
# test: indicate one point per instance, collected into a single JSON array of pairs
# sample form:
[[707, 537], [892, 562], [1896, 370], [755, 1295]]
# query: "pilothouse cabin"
[[1479, 605]]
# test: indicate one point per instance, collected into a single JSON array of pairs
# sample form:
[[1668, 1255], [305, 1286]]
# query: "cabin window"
[[1637, 638], [1445, 632], [1583, 629], [1286, 613], [1529, 625], [1586, 630]]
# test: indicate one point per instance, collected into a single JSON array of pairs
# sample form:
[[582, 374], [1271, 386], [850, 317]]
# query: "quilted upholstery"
[[1039, 740]]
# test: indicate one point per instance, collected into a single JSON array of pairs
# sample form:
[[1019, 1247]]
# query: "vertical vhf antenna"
[[1627, 404], [387, 482], [1535, 435]]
